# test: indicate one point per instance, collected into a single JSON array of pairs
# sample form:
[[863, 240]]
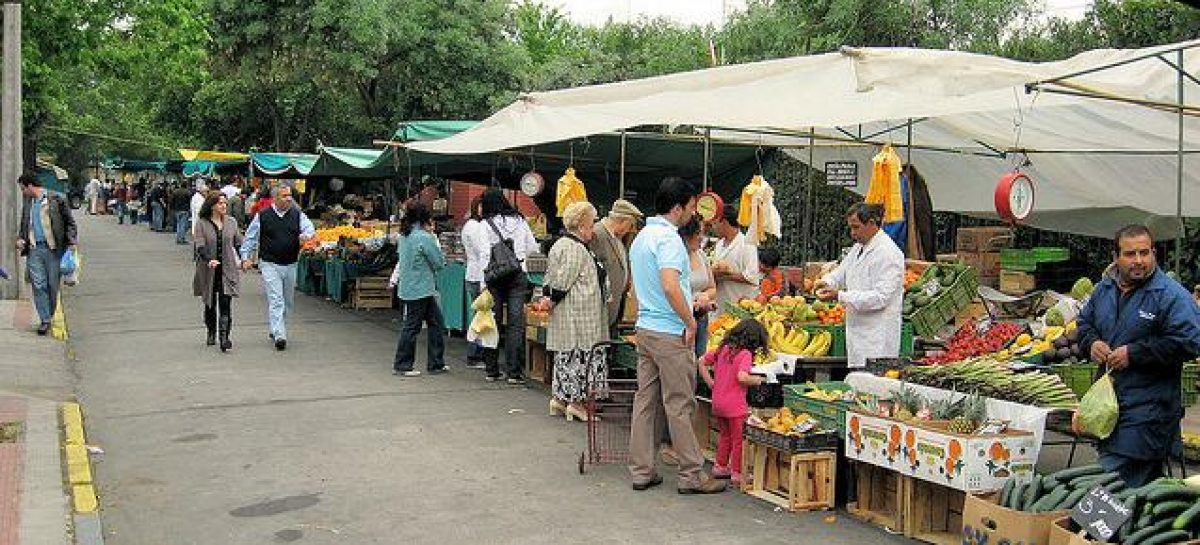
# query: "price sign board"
[[841, 173], [1100, 514]]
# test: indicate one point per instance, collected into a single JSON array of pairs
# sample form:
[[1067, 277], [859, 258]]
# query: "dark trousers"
[[510, 299], [417, 311], [1134, 472], [221, 305]]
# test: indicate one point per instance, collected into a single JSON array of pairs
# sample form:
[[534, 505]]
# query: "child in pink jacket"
[[730, 376]]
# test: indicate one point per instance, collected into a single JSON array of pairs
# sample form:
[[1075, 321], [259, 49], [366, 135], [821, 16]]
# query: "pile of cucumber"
[[1164, 511], [1057, 491]]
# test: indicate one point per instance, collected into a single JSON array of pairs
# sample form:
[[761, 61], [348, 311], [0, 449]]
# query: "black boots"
[[210, 323], [226, 325]]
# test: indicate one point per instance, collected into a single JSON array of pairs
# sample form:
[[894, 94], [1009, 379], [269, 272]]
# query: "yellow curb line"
[[79, 464], [58, 324]]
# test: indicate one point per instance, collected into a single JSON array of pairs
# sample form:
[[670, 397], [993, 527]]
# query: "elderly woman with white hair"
[[574, 292]]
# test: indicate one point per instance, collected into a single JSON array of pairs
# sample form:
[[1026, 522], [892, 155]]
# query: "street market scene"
[[586, 271]]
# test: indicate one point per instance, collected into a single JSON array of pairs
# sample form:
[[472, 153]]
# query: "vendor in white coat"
[[869, 283]]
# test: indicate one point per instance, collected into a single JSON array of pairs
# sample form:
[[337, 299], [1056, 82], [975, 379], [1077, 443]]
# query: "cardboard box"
[[987, 264], [1061, 535], [971, 463], [1016, 282], [983, 239], [984, 523], [877, 441], [990, 281]]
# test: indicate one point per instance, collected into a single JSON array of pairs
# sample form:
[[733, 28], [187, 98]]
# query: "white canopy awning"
[[1097, 163]]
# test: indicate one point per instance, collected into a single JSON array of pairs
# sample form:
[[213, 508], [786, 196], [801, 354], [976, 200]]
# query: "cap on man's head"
[[624, 209]]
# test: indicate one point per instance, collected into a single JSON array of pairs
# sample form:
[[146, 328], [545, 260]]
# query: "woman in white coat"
[[869, 283]]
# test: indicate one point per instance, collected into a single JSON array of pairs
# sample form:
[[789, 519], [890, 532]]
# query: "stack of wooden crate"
[[371, 292]]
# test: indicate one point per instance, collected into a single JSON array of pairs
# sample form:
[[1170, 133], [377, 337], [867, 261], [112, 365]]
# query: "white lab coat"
[[871, 287]]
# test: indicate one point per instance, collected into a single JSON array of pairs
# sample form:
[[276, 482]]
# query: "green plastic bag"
[[1098, 409]]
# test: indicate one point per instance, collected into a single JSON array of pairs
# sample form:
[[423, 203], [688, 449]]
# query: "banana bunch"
[[798, 341]]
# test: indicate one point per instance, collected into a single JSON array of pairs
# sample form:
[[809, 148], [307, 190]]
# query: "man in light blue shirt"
[[277, 232], [666, 332]]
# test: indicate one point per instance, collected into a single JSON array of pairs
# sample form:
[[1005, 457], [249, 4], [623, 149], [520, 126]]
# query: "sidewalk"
[[34, 508]]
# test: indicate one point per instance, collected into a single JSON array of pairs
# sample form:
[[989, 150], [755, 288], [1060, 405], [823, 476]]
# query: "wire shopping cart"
[[610, 407]]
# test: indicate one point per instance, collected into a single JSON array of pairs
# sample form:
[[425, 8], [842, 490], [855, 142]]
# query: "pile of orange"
[[833, 315], [910, 276]]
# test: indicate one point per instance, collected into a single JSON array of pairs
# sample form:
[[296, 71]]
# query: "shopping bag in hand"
[[483, 326], [69, 267], [1098, 410]]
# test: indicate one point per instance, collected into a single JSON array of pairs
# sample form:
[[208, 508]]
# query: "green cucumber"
[[1051, 500], [1185, 519], [1071, 473], [1031, 494], [1048, 482], [1148, 531], [1072, 499], [1006, 491], [1090, 481], [1014, 500], [1171, 508], [1115, 487], [1173, 536], [1166, 493], [1127, 526]]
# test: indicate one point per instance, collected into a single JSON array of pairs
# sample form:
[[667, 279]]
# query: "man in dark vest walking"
[[277, 232]]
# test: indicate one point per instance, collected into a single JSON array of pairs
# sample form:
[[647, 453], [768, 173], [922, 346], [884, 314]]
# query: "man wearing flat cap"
[[609, 247]]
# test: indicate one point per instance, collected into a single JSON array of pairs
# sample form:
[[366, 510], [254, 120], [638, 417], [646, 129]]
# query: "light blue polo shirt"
[[658, 246]]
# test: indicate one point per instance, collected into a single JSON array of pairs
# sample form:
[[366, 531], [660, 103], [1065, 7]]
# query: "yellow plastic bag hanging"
[[1098, 410], [570, 191], [483, 326], [884, 188]]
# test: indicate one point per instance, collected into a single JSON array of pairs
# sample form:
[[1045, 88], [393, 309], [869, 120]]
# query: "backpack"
[[503, 264]]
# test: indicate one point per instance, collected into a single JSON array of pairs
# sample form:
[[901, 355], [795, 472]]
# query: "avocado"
[[920, 300]]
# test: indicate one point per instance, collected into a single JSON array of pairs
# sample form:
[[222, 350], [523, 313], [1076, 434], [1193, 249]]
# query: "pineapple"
[[907, 403], [973, 415], [944, 409]]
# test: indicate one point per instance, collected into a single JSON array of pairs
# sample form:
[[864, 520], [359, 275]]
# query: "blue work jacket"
[[1160, 324], [420, 259]]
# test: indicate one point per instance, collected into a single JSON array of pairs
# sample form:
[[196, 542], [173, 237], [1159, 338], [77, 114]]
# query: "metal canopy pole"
[[808, 202], [621, 192], [1179, 164], [707, 154], [908, 149]]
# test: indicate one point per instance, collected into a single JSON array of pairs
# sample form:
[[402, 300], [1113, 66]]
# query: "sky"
[[702, 12]]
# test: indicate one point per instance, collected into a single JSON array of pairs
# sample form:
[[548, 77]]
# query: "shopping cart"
[[610, 405]]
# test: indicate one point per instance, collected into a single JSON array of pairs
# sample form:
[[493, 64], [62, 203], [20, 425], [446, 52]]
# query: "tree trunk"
[[29, 152]]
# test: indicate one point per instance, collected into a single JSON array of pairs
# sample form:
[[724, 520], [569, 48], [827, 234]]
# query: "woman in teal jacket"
[[416, 279]]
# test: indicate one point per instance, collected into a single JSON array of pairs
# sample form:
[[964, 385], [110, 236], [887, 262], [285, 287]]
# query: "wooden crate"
[[538, 366], [371, 293], [933, 513], [879, 496], [796, 482]]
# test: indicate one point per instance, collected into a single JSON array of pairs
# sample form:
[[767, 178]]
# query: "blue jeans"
[[181, 226], [279, 281], [133, 216], [42, 266], [474, 350], [157, 217]]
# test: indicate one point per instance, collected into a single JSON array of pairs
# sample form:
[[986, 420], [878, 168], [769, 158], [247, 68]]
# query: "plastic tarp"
[[354, 163], [206, 155], [284, 164], [1097, 163], [421, 131]]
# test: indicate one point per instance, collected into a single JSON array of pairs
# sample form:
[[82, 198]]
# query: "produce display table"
[[310, 274], [452, 288], [336, 278]]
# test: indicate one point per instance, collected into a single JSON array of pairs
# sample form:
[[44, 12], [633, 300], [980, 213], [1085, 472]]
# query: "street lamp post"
[[10, 149]]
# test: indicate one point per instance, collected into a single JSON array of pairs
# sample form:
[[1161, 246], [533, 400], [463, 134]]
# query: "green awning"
[[420, 131], [284, 164]]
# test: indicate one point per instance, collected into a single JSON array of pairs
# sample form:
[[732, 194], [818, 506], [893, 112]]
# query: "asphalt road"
[[321, 444]]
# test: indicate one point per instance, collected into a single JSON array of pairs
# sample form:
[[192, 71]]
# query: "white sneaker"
[[413, 373]]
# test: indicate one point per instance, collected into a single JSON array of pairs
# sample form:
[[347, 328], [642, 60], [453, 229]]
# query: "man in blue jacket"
[[1143, 326]]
